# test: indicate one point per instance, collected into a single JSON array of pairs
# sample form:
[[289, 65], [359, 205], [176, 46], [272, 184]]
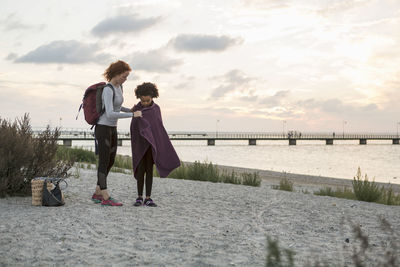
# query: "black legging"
[[145, 166], [106, 137]]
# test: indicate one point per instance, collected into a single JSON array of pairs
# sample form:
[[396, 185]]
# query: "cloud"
[[203, 43], [275, 100], [13, 23], [341, 6], [267, 4], [11, 56], [123, 24], [154, 61], [336, 106], [69, 52], [231, 81]]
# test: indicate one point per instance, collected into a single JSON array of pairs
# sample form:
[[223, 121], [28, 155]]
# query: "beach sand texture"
[[195, 224]]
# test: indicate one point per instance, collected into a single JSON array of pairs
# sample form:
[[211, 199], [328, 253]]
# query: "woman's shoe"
[[97, 198], [110, 202]]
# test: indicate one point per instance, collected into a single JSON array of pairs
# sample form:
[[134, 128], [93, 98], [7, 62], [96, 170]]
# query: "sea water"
[[379, 160]]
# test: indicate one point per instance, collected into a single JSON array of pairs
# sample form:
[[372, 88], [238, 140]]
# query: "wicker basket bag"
[[37, 190]]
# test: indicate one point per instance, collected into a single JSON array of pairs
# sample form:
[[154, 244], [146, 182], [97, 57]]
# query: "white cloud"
[[123, 24], [13, 23], [69, 52], [275, 100], [12, 56], [231, 81], [203, 43], [154, 61]]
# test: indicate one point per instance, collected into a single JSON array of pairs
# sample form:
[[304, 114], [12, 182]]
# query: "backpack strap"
[[113, 89]]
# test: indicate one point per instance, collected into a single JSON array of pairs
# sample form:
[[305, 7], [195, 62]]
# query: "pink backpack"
[[92, 103]]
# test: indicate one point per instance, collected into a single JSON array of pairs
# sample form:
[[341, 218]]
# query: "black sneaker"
[[149, 202], [139, 202]]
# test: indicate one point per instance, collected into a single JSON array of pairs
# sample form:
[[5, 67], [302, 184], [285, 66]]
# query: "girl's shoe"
[[97, 198], [149, 202], [139, 202], [110, 202]]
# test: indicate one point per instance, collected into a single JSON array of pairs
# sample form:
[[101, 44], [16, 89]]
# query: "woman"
[[106, 128]]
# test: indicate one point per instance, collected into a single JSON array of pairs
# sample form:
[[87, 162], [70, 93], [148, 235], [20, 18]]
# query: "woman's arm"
[[124, 109], [109, 107]]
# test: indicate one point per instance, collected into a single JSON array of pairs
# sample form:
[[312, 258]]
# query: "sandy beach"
[[195, 224]]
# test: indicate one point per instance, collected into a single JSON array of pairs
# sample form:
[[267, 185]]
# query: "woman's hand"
[[137, 113]]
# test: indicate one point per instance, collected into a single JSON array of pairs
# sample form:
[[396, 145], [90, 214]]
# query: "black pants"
[[106, 137], [145, 167]]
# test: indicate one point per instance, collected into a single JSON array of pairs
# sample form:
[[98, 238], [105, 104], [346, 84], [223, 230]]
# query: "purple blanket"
[[149, 131]]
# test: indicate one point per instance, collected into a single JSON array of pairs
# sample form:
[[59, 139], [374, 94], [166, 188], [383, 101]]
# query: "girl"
[[150, 143], [106, 128]]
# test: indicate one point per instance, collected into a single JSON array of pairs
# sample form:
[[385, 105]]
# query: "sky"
[[231, 66]]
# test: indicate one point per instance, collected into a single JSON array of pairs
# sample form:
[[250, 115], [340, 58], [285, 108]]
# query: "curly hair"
[[146, 89], [115, 69]]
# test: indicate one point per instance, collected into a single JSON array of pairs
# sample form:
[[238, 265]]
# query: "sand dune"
[[195, 224]]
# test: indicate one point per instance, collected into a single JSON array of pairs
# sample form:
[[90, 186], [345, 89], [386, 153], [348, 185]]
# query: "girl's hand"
[[137, 113]]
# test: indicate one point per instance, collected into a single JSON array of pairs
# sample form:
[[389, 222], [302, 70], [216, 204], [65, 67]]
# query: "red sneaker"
[[97, 198], [110, 202]]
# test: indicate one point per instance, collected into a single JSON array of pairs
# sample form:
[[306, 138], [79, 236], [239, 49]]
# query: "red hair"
[[115, 69]]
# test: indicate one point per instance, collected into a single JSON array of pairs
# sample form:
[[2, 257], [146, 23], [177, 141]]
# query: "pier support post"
[[292, 142], [67, 142], [396, 141], [363, 141], [211, 142], [329, 141], [252, 142], [119, 142]]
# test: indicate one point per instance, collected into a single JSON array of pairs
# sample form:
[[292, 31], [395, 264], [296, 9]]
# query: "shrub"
[[76, 154], [365, 190], [388, 197], [340, 193], [231, 178], [252, 179], [23, 156], [276, 255], [209, 172], [179, 173], [203, 172], [284, 184], [123, 162]]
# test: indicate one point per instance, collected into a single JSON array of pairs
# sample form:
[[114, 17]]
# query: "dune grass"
[[285, 185], [207, 171], [198, 171], [338, 192], [122, 164], [363, 190]]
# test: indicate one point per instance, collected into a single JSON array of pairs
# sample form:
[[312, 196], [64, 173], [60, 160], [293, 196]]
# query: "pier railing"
[[67, 136]]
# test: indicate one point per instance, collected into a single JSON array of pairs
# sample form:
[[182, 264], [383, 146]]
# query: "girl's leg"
[[149, 171], [140, 177], [142, 169], [149, 177]]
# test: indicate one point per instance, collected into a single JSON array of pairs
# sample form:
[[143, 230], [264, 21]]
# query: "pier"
[[67, 136]]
